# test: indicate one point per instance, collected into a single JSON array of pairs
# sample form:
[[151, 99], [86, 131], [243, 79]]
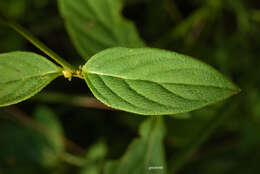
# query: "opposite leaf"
[[154, 82], [95, 25], [23, 74]]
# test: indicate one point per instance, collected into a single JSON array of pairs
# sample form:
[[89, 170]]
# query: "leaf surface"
[[94, 25], [144, 155], [95, 158], [25, 148], [52, 127], [154, 82], [23, 74]]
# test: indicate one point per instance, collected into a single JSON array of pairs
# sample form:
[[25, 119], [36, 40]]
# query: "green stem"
[[27, 35], [197, 140], [76, 100]]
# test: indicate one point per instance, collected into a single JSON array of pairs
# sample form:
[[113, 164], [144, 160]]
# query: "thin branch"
[[33, 40], [23, 118], [79, 100], [90, 102]]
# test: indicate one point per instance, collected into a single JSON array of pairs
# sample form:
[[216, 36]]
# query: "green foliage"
[[154, 82], [98, 24], [144, 155], [52, 126], [95, 159], [23, 75], [27, 148], [219, 138]]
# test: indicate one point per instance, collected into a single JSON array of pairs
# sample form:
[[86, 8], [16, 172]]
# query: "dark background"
[[222, 33]]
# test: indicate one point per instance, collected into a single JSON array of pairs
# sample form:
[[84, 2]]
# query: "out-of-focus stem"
[[79, 100]]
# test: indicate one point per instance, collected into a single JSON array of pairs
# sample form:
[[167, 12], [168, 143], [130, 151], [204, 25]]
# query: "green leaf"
[[23, 74], [94, 161], [25, 149], [154, 82], [146, 154], [98, 24], [46, 118], [97, 151]]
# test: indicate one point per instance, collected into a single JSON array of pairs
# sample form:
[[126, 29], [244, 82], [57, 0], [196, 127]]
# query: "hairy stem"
[[28, 36]]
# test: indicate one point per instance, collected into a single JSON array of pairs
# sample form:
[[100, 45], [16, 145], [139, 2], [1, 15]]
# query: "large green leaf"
[[97, 24], [146, 154], [154, 82], [23, 74]]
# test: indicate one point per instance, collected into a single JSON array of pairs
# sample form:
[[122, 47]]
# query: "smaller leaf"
[[23, 74], [95, 158], [25, 149], [97, 151], [95, 25], [54, 131], [146, 154]]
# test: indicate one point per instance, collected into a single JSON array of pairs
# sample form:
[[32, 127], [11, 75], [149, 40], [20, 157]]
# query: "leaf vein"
[[119, 97], [146, 98]]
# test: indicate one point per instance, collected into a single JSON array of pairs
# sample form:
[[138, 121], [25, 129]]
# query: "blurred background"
[[222, 33]]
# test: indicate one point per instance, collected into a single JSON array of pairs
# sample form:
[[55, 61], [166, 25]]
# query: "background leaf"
[[97, 24], [95, 158], [53, 128], [37, 150], [154, 82], [226, 36], [143, 153], [23, 74]]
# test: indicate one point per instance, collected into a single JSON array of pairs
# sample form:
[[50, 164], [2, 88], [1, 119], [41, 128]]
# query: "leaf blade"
[[51, 127], [154, 82], [144, 152], [23, 74], [94, 25]]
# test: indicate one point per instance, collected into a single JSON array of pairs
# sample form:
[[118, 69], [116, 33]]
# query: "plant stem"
[[64, 156], [27, 35], [197, 140], [23, 118], [76, 100]]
